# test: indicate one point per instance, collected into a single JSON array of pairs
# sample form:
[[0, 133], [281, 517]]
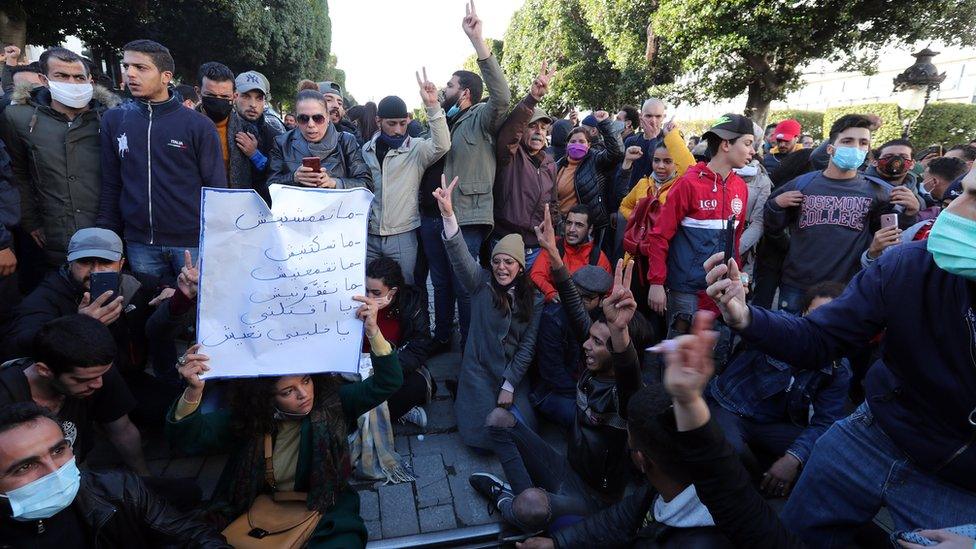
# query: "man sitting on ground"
[[575, 249], [46, 502]]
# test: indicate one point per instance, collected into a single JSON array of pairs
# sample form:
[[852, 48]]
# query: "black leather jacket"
[[622, 525], [344, 161], [598, 437], [594, 175], [117, 510]]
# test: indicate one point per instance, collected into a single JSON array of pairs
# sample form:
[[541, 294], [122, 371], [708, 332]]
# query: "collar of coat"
[[40, 96]]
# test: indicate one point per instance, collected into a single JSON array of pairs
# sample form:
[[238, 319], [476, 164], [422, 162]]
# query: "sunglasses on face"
[[304, 118]]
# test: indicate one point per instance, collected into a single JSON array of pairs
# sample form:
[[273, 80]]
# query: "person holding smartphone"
[[315, 153]]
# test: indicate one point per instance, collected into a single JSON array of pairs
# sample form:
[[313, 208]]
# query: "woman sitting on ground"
[[505, 314], [405, 323], [309, 419]]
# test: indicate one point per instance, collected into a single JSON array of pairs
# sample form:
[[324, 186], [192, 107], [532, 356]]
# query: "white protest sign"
[[276, 286]]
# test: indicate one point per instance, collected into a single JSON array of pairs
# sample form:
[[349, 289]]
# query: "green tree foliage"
[[556, 30], [891, 119], [945, 123], [284, 39], [810, 121], [497, 48], [723, 48]]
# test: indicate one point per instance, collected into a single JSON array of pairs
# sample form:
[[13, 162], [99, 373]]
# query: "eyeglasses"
[[304, 118]]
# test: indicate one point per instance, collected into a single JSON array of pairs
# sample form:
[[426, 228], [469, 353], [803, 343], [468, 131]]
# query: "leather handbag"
[[281, 520]]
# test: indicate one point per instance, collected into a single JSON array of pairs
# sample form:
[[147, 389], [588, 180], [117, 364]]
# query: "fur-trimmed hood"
[[26, 92]]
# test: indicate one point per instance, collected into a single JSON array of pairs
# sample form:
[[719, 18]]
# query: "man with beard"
[[575, 250], [238, 135], [253, 90], [526, 172], [336, 105], [72, 373], [473, 126], [894, 165]]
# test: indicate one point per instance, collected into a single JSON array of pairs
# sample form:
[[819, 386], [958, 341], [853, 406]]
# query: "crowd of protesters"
[[712, 321]]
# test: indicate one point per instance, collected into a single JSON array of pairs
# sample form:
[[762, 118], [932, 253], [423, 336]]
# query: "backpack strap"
[[805, 179]]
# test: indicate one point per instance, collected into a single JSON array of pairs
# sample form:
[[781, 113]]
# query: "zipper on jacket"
[[99, 526], [149, 169], [972, 415]]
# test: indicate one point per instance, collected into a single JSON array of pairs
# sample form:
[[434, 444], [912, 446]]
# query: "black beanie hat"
[[391, 107]]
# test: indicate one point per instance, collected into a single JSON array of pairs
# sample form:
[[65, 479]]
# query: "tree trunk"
[[757, 104], [13, 30]]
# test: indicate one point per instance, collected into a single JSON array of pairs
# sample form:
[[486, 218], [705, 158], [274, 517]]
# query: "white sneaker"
[[417, 416]]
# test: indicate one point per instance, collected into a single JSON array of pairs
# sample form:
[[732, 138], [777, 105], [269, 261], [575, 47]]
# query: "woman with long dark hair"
[[404, 322], [307, 421], [505, 314], [364, 117]]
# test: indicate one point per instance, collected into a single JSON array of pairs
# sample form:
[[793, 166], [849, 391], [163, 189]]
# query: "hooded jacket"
[[56, 164], [344, 161], [691, 227], [156, 158], [523, 183]]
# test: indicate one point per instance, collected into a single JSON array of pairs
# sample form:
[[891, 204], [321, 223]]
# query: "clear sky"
[[380, 43]]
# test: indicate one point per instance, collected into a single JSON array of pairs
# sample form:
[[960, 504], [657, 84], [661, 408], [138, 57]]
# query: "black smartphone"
[[101, 282], [730, 239]]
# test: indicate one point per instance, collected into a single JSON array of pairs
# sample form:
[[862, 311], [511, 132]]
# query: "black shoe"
[[491, 488]]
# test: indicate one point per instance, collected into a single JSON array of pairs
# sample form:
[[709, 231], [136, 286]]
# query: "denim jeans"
[[439, 266], [529, 461], [401, 248], [683, 304], [474, 236], [791, 299], [744, 434], [163, 262], [558, 409], [854, 470]]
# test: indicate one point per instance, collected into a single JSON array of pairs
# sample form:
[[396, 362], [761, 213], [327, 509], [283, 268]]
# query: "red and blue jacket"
[[691, 227]]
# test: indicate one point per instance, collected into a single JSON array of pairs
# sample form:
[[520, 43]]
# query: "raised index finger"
[[425, 74], [628, 273], [473, 11], [419, 82], [187, 259], [618, 274]]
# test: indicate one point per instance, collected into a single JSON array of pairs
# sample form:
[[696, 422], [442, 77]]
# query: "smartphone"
[[102, 282], [313, 162], [889, 220], [730, 239]]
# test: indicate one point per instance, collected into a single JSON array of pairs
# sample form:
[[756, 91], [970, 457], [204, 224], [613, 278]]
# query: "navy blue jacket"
[[766, 390], [9, 200], [923, 390], [155, 160]]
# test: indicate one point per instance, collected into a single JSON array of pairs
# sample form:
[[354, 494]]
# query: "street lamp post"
[[917, 82]]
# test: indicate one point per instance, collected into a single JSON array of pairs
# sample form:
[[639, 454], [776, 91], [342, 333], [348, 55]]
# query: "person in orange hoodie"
[[576, 250]]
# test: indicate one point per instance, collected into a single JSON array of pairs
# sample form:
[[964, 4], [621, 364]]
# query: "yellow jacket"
[[683, 159]]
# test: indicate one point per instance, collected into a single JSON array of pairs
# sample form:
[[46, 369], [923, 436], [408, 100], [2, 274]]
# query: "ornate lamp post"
[[917, 83]]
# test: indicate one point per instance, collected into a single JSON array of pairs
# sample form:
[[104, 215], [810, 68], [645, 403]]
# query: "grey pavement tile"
[[444, 366], [432, 486], [402, 445], [374, 530], [398, 512], [369, 505], [437, 518], [470, 508], [446, 445]]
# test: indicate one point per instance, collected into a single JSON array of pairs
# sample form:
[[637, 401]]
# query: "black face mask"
[[216, 108]]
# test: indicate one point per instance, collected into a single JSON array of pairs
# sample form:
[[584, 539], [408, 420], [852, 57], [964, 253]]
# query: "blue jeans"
[[474, 236], [680, 303], [162, 262], [854, 470], [558, 409], [744, 434], [791, 299], [439, 266]]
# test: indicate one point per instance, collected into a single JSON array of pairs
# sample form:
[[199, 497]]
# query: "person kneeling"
[[306, 421]]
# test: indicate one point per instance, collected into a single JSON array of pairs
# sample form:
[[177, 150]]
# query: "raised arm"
[[619, 309], [499, 94], [467, 269], [613, 152], [362, 396], [514, 126], [432, 149]]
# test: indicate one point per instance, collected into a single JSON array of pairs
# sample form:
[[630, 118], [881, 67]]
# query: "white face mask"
[[75, 96], [747, 171]]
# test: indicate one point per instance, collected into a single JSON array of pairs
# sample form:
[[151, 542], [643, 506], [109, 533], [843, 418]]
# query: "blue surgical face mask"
[[849, 158], [952, 242], [46, 496], [453, 111]]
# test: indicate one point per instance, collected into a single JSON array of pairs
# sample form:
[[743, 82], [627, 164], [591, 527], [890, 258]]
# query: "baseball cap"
[[787, 130], [252, 80], [95, 242], [329, 87], [730, 126], [539, 114]]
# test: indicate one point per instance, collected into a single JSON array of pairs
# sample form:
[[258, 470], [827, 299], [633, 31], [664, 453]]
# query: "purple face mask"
[[577, 151]]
